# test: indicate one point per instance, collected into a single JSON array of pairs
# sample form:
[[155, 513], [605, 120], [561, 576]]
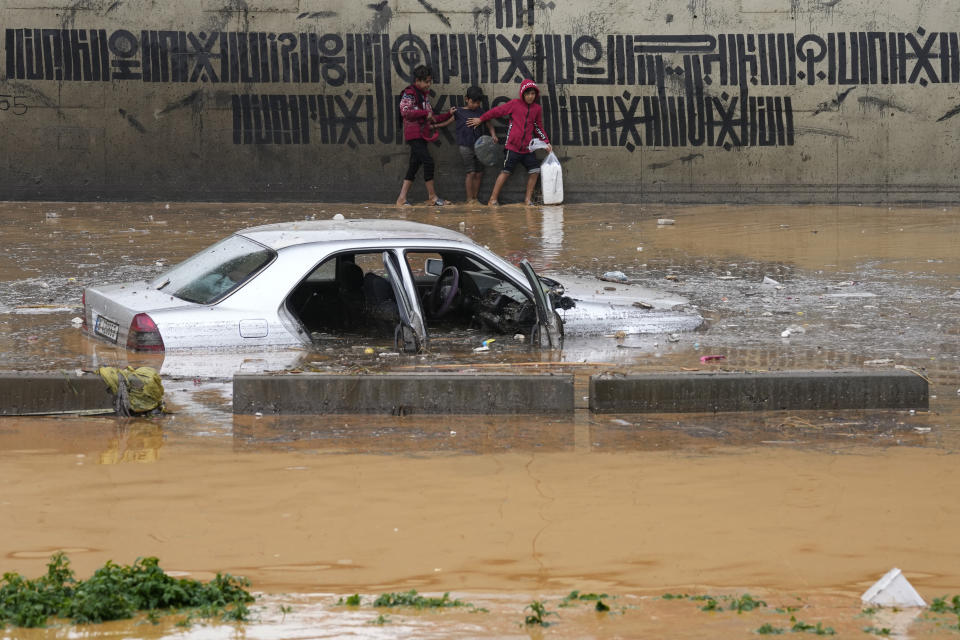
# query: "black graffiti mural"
[[694, 90]]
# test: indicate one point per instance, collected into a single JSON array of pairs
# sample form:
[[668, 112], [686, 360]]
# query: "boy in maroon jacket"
[[419, 128], [526, 121]]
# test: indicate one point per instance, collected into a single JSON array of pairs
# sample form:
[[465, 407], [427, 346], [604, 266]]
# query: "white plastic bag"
[[537, 143], [551, 179]]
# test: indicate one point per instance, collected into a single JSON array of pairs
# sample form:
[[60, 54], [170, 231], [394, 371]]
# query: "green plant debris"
[[380, 620], [869, 611], [942, 605], [885, 631], [284, 610], [350, 601], [413, 599], [575, 596], [538, 611], [818, 629], [601, 606], [786, 609], [769, 629], [746, 602], [117, 592]]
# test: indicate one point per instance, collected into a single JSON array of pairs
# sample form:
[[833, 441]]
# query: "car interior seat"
[[350, 290], [381, 304]]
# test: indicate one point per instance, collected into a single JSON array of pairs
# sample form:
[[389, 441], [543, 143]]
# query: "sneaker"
[[439, 202]]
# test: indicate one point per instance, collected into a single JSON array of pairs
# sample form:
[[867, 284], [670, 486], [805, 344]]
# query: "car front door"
[[411, 334], [547, 332]]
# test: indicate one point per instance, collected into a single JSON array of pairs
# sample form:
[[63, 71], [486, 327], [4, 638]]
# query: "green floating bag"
[[136, 390]]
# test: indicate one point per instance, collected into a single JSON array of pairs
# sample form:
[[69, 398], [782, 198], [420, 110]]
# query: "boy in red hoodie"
[[419, 128], [526, 121]]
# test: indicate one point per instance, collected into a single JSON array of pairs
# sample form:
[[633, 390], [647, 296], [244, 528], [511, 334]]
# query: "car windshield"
[[211, 274]]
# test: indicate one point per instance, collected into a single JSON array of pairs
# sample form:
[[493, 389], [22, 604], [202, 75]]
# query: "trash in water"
[[791, 330], [673, 337], [770, 281], [643, 305], [519, 337], [665, 221], [893, 590], [338, 216], [878, 362], [709, 358], [76, 322], [614, 276], [486, 345], [462, 226]]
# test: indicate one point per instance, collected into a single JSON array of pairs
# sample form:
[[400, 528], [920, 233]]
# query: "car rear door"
[[547, 332], [411, 334]]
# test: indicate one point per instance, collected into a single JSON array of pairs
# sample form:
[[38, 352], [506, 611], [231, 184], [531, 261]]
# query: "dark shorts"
[[529, 160], [471, 164]]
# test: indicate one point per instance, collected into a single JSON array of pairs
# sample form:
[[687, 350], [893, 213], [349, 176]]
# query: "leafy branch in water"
[[538, 611], [413, 599], [116, 592]]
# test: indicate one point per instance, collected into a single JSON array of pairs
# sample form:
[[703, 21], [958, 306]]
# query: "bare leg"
[[468, 187], [497, 186], [475, 184], [531, 183], [404, 190], [431, 194]]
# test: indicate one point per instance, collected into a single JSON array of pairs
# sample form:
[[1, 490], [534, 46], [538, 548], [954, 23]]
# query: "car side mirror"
[[433, 266]]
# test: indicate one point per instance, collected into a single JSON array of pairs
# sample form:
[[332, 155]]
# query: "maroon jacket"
[[414, 109], [526, 120]]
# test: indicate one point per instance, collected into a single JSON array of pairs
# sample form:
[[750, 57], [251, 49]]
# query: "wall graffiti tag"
[[14, 104], [617, 90]]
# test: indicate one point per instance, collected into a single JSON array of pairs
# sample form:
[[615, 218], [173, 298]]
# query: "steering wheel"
[[441, 295]]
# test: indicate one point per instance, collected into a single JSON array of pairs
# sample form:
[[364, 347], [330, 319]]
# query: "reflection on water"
[[134, 442]]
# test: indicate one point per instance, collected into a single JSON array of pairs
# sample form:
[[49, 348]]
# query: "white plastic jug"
[[551, 179]]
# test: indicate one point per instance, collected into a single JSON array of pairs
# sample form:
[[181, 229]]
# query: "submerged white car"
[[297, 283]]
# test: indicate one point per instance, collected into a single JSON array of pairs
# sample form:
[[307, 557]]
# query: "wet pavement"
[[802, 509]]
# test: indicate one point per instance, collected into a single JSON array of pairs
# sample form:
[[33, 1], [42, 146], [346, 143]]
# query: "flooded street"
[[803, 510]]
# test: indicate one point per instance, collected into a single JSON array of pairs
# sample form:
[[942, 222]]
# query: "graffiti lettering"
[[16, 107], [677, 90], [737, 60]]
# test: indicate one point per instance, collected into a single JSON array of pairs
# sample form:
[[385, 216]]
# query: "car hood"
[[610, 307], [594, 290]]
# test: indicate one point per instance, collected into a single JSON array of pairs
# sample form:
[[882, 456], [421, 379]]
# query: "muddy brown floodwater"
[[803, 510]]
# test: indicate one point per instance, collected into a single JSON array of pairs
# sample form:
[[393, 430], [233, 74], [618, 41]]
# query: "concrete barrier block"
[[765, 391], [24, 394], [403, 393]]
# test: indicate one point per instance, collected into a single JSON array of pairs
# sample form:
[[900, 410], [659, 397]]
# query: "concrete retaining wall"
[[768, 391], [403, 394], [24, 394], [726, 101]]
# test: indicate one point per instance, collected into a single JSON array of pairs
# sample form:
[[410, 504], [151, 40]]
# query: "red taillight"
[[144, 335]]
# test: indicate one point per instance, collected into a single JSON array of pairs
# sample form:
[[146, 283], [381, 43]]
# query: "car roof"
[[285, 234]]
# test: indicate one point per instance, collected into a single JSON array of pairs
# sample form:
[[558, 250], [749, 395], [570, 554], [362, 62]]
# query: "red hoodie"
[[526, 120], [415, 107]]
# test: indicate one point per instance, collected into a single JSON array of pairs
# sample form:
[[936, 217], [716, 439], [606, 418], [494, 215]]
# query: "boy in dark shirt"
[[467, 137]]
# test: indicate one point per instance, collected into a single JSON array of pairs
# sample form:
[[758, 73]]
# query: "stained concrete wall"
[[646, 100]]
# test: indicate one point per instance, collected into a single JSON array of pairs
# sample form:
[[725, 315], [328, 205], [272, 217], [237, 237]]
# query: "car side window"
[[325, 272]]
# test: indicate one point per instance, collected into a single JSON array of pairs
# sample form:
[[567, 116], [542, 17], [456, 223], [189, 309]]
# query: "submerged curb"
[[764, 391], [28, 393], [403, 394]]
